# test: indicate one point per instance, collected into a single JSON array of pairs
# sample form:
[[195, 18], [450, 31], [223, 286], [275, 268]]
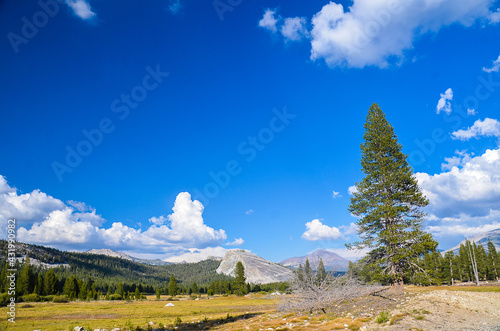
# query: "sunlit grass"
[[112, 314]]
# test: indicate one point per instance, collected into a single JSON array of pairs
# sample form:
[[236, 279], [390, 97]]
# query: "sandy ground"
[[445, 310]]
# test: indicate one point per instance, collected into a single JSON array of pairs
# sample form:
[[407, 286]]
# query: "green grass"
[[383, 317], [50, 316]]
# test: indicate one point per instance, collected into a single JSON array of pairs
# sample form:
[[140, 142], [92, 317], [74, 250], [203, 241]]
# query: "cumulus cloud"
[[462, 230], [471, 188], [487, 128], [268, 21], [444, 102], [352, 189], [465, 197], [351, 229], [336, 195], [461, 158], [248, 212], [158, 220], [495, 67], [377, 33], [236, 242], [81, 8], [294, 29], [195, 255], [48, 221], [319, 231]]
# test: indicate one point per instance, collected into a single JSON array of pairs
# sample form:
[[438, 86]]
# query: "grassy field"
[[113, 314], [220, 313]]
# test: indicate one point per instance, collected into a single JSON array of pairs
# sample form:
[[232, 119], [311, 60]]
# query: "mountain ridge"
[[257, 269], [481, 238], [332, 261], [121, 255]]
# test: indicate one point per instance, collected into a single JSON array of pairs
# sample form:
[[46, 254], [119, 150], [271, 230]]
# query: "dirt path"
[[445, 310]]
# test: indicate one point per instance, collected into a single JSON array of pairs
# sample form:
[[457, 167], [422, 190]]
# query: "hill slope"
[[331, 260], [109, 252], [257, 269]]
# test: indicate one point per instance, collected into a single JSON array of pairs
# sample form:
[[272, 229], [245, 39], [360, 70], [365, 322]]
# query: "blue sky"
[[114, 112]]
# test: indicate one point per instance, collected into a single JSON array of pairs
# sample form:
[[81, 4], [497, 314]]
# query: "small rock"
[[78, 328], [151, 323], [346, 325]]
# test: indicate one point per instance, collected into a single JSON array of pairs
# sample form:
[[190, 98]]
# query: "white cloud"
[[381, 32], [472, 188], [248, 212], [318, 231], [45, 220], [471, 112], [444, 102], [496, 64], [60, 227], [268, 21], [186, 226], [81, 8], [336, 195], [158, 220], [196, 255], [461, 158], [294, 29], [351, 229], [236, 242], [487, 128], [465, 199], [461, 230], [352, 189]]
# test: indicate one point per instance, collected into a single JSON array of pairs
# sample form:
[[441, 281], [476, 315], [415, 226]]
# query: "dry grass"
[[482, 288]]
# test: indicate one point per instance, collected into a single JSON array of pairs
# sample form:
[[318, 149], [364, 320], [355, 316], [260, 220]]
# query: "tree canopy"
[[388, 202]]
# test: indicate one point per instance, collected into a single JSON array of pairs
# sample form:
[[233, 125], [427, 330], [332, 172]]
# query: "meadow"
[[251, 312]]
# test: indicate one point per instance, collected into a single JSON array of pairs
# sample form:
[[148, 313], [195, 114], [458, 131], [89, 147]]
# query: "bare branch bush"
[[310, 293]]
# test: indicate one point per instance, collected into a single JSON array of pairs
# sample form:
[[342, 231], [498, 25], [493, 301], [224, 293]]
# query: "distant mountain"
[[109, 252], [105, 269], [331, 260], [482, 238], [257, 269]]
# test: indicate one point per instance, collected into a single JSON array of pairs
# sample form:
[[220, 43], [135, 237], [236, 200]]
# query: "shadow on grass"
[[207, 324]]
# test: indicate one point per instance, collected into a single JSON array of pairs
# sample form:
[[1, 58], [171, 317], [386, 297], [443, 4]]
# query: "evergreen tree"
[[240, 287], [307, 270], [321, 274], [39, 285], [388, 202], [492, 258], [3, 278], [119, 290], [26, 282], [137, 294], [300, 273], [70, 288], [50, 283], [82, 295], [195, 289], [172, 287], [158, 296]]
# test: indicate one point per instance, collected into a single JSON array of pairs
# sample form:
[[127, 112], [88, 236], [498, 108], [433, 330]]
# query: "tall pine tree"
[[388, 202], [240, 287]]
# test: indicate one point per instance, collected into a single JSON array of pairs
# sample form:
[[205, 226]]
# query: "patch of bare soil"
[[445, 310]]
